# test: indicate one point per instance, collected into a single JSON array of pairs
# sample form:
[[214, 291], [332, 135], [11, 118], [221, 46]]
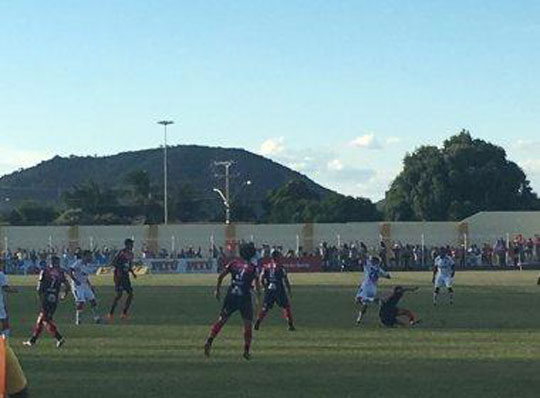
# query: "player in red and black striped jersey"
[[49, 289], [391, 315], [275, 281], [239, 297], [123, 267]]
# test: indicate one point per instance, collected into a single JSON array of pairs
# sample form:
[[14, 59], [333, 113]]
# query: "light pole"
[[165, 123], [225, 196]]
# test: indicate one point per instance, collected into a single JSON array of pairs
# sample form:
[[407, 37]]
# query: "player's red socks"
[[216, 328], [287, 313], [247, 337], [410, 315]]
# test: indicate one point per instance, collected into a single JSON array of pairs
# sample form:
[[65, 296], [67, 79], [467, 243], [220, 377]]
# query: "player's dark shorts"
[[123, 284], [278, 297], [388, 315], [48, 309], [240, 303]]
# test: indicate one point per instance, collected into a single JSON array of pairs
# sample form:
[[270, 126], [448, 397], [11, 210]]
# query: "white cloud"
[[12, 159], [531, 166], [272, 146], [392, 140], [334, 165], [367, 141]]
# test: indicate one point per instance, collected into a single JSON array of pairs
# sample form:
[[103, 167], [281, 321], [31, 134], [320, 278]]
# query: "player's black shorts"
[[48, 308], [123, 285], [240, 303], [388, 316], [278, 297]]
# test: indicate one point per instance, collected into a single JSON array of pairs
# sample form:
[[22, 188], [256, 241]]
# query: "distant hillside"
[[188, 164]]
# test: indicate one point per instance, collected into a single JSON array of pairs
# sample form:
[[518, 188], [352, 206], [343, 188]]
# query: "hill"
[[189, 165]]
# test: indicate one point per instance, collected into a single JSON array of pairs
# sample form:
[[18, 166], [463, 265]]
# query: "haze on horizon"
[[339, 91]]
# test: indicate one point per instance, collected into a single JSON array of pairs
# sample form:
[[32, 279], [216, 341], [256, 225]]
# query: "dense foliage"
[[462, 178]]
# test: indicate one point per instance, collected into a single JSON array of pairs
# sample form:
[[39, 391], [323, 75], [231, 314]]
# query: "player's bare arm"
[[217, 292], [287, 284]]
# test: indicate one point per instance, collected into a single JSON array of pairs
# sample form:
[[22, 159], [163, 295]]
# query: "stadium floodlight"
[[165, 123], [225, 196]]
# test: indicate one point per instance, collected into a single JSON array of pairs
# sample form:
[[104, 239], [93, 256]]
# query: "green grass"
[[486, 345]]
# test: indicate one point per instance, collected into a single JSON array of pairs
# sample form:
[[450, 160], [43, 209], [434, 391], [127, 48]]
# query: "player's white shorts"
[[444, 281], [367, 292], [83, 293]]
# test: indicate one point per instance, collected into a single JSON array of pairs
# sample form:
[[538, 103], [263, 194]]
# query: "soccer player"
[[274, 280], [81, 287], [51, 280], [443, 275], [391, 315], [239, 297], [367, 291], [123, 266], [5, 288]]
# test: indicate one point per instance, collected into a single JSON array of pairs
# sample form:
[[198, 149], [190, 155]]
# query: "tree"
[[296, 203], [186, 205], [32, 213], [463, 177]]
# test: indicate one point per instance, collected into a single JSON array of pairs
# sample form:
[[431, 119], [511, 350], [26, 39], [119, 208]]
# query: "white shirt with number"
[[82, 291], [368, 289], [445, 269]]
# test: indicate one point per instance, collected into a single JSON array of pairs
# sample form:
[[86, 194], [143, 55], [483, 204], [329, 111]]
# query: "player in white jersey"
[[443, 275], [5, 288], [81, 287], [367, 291]]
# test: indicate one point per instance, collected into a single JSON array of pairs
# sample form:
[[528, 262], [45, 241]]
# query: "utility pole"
[[225, 196], [165, 123]]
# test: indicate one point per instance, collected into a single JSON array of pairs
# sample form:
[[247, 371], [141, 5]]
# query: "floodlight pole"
[[165, 123], [225, 196]]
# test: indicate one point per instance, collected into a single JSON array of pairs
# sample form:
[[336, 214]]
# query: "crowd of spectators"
[[345, 257]]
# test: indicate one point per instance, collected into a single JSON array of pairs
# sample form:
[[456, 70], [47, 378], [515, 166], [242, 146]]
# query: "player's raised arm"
[[410, 289], [66, 290], [41, 284], [222, 275]]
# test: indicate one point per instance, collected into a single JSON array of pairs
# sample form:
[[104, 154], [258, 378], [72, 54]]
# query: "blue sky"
[[339, 90]]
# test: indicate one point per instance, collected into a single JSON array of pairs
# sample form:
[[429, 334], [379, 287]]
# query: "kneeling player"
[[274, 279], [367, 291], [50, 283], [391, 315], [82, 289], [443, 275], [238, 298]]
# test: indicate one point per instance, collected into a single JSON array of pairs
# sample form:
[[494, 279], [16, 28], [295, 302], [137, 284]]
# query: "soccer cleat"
[[60, 343], [247, 355], [29, 343], [291, 328], [124, 317], [257, 325], [416, 322], [77, 322]]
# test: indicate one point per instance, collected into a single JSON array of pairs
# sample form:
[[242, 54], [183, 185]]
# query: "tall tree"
[[463, 177], [32, 213]]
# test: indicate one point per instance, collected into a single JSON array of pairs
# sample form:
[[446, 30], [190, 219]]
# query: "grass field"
[[486, 345]]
